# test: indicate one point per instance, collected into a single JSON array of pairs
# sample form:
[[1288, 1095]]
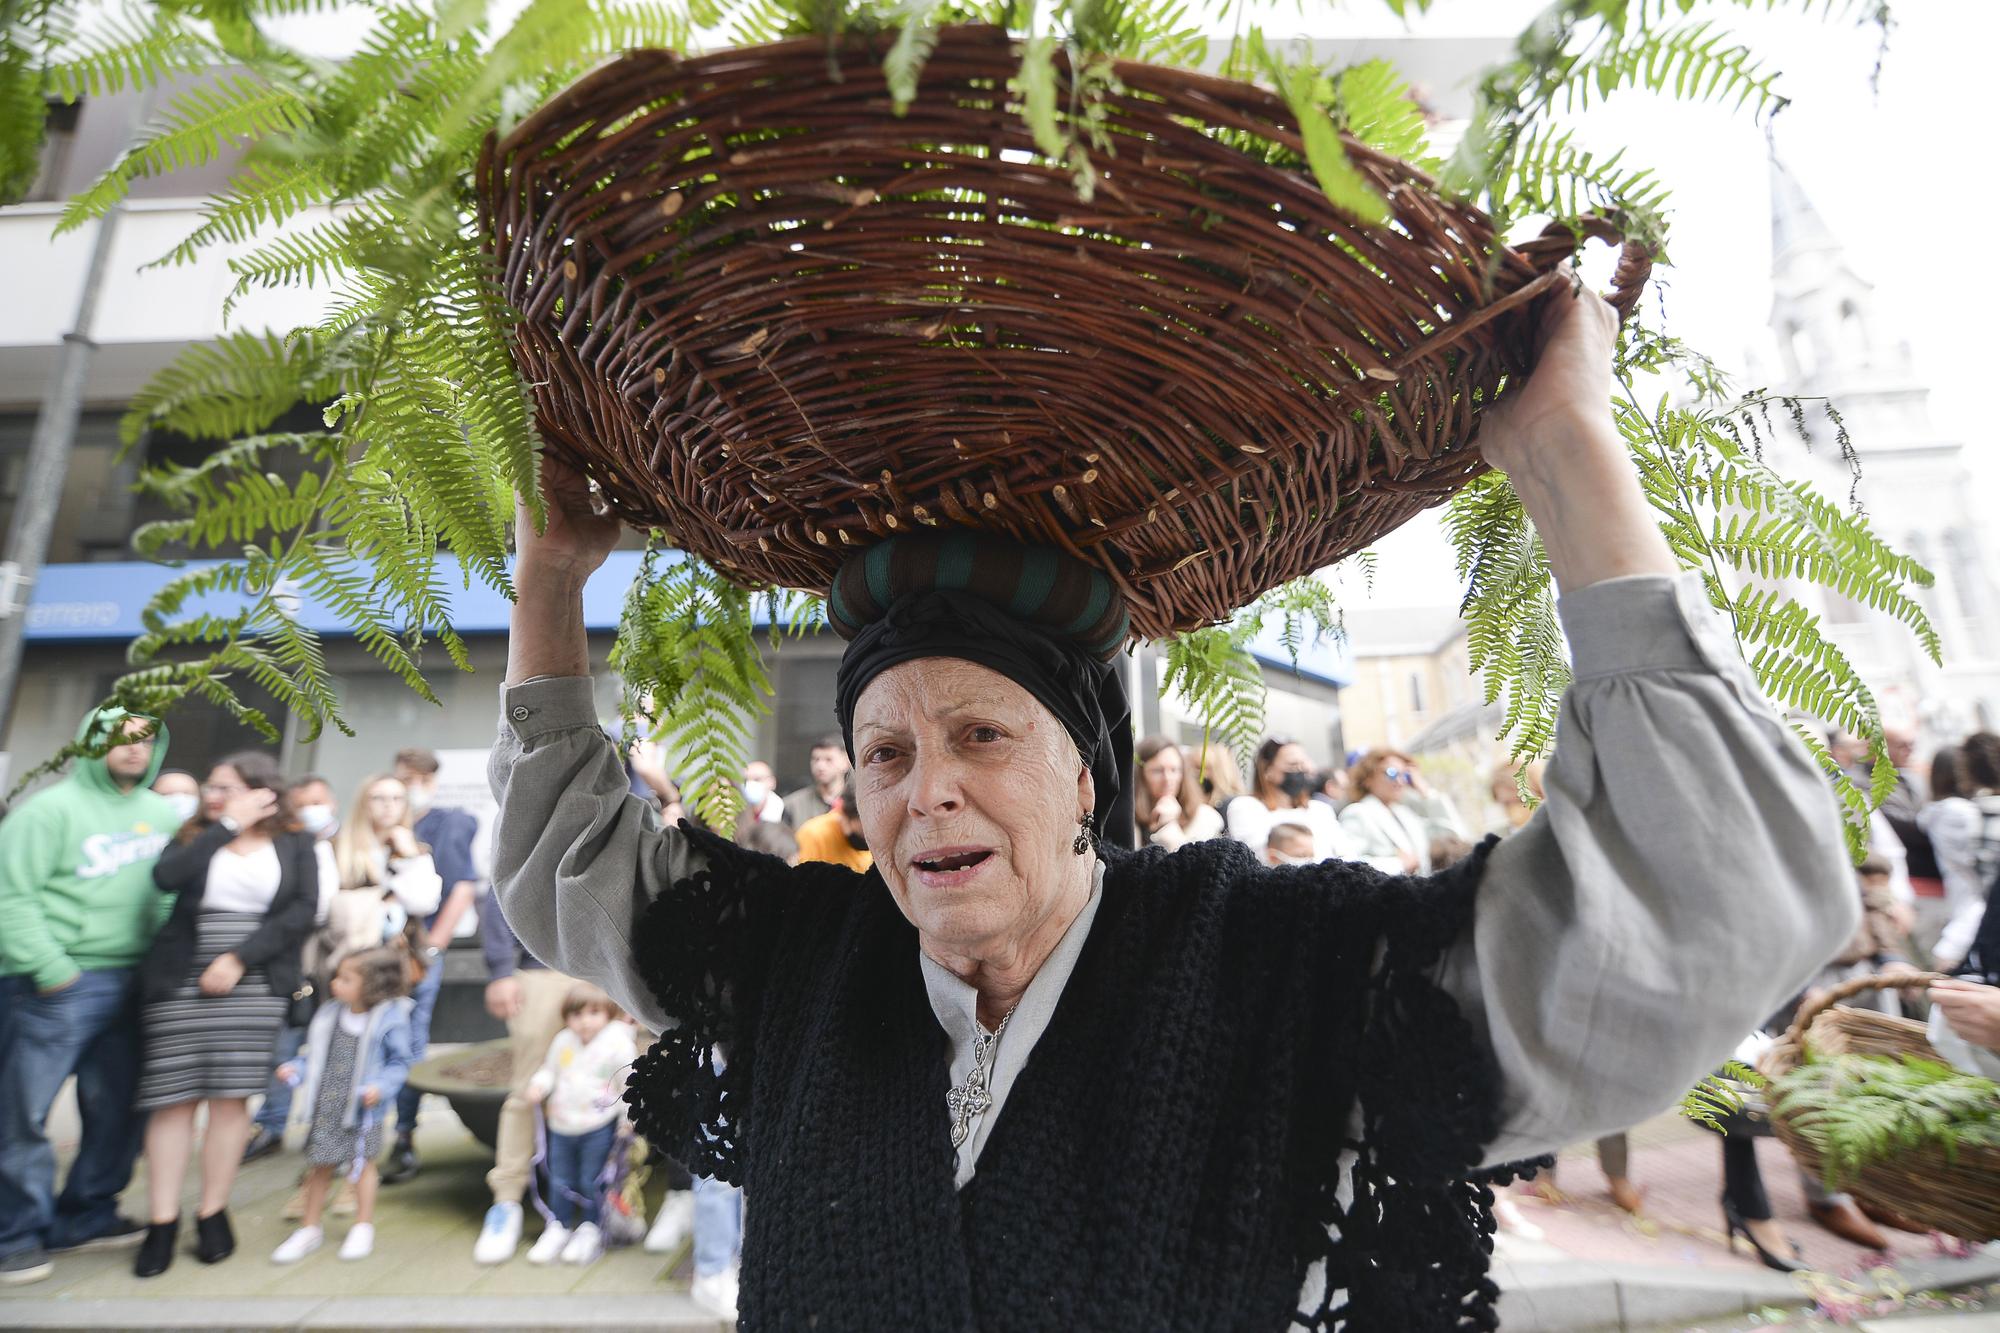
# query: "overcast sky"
[[1896, 175]]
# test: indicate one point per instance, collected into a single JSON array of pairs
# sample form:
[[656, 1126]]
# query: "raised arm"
[[1686, 874], [576, 856]]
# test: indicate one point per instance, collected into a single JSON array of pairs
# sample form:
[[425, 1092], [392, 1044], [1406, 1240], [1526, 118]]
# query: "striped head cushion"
[[1056, 593]]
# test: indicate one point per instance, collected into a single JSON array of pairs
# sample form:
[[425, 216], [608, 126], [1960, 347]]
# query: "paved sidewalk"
[[1671, 1267], [1595, 1268]]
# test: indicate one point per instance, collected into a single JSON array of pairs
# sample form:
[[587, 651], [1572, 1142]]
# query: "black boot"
[[402, 1161], [214, 1241], [156, 1251]]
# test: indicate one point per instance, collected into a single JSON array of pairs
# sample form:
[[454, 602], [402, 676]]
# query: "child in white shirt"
[[579, 1088]]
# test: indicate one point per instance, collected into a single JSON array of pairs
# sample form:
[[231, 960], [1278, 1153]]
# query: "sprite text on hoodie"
[[76, 870]]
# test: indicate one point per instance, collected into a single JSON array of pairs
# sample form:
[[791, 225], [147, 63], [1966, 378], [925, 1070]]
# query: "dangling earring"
[[1086, 834]]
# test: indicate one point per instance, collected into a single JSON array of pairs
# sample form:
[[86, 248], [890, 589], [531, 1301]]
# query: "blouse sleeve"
[[1684, 878], [577, 857]]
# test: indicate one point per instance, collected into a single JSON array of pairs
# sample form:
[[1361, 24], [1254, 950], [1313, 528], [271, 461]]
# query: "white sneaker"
[[360, 1242], [499, 1234], [674, 1224], [1507, 1215], [298, 1245], [716, 1292], [549, 1247], [585, 1244]]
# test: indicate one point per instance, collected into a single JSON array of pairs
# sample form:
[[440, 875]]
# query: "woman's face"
[[224, 784], [1386, 783], [1163, 774], [388, 804], [1290, 758], [970, 793]]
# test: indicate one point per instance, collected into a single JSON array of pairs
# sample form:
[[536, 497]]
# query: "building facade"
[[1826, 343]]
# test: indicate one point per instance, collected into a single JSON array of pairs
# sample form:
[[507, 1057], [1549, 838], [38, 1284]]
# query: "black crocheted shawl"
[[1170, 1156]]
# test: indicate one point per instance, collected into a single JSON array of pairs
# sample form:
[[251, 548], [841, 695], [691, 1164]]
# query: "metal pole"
[[48, 458]]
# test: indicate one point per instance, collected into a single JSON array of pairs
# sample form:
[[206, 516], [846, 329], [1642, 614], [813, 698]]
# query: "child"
[[357, 1057], [1289, 844], [578, 1089]]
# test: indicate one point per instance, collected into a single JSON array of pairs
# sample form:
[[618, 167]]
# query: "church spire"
[[1795, 223]]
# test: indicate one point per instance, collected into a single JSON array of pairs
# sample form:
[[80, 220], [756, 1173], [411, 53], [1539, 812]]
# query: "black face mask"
[[1295, 785], [857, 841]]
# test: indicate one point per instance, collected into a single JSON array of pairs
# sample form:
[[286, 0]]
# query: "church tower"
[[1914, 484]]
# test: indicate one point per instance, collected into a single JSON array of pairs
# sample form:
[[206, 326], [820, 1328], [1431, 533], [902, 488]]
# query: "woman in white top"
[[1392, 823], [1168, 805], [387, 878], [1282, 779]]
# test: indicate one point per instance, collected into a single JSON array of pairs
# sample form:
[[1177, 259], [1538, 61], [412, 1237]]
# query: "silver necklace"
[[972, 1098]]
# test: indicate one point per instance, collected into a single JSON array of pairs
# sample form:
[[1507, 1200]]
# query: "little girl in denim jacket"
[[356, 1059]]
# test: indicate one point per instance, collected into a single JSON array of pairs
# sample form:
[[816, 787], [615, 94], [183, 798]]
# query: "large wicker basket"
[[1957, 1194], [779, 320]]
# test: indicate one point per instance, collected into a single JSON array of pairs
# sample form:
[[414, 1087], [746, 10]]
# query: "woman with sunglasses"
[[1383, 826]]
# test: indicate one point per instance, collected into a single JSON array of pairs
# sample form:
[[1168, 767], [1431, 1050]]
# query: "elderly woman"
[[1045, 1083]]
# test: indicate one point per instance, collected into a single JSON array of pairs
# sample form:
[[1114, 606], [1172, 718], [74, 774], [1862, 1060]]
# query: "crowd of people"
[[181, 944]]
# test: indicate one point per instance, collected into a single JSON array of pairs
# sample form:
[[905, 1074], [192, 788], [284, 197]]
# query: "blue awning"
[[101, 602]]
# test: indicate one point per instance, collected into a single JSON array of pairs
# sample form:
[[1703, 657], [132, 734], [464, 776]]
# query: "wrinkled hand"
[[1569, 393], [371, 1096], [578, 534], [1972, 1010], [503, 997], [220, 977], [249, 808]]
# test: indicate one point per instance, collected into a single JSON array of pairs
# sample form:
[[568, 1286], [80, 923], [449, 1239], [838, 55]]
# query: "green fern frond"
[[1213, 670], [1696, 62], [200, 124]]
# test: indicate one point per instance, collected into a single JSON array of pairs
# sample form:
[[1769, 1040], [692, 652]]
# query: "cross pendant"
[[967, 1104]]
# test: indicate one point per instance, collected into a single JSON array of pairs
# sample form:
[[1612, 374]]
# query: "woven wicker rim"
[[777, 320], [1957, 1193]]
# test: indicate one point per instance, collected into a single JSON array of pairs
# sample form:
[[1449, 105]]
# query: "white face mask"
[[756, 793], [185, 803], [315, 819], [420, 799]]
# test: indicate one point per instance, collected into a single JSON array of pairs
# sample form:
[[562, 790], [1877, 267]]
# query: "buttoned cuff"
[[547, 703], [1644, 622]]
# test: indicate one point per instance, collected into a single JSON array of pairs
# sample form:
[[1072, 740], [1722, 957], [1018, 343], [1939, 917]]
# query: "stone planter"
[[474, 1080]]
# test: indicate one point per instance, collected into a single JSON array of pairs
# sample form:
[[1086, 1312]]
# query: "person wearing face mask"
[[836, 838], [311, 802], [760, 793], [1289, 844], [449, 833], [1282, 781], [182, 790]]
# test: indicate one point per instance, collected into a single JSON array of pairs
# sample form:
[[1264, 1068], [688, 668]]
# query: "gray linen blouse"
[[1684, 878]]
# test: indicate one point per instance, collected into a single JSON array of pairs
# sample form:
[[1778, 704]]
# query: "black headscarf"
[[1081, 688]]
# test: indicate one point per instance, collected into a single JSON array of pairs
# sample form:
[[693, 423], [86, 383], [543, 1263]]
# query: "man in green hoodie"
[[78, 911]]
